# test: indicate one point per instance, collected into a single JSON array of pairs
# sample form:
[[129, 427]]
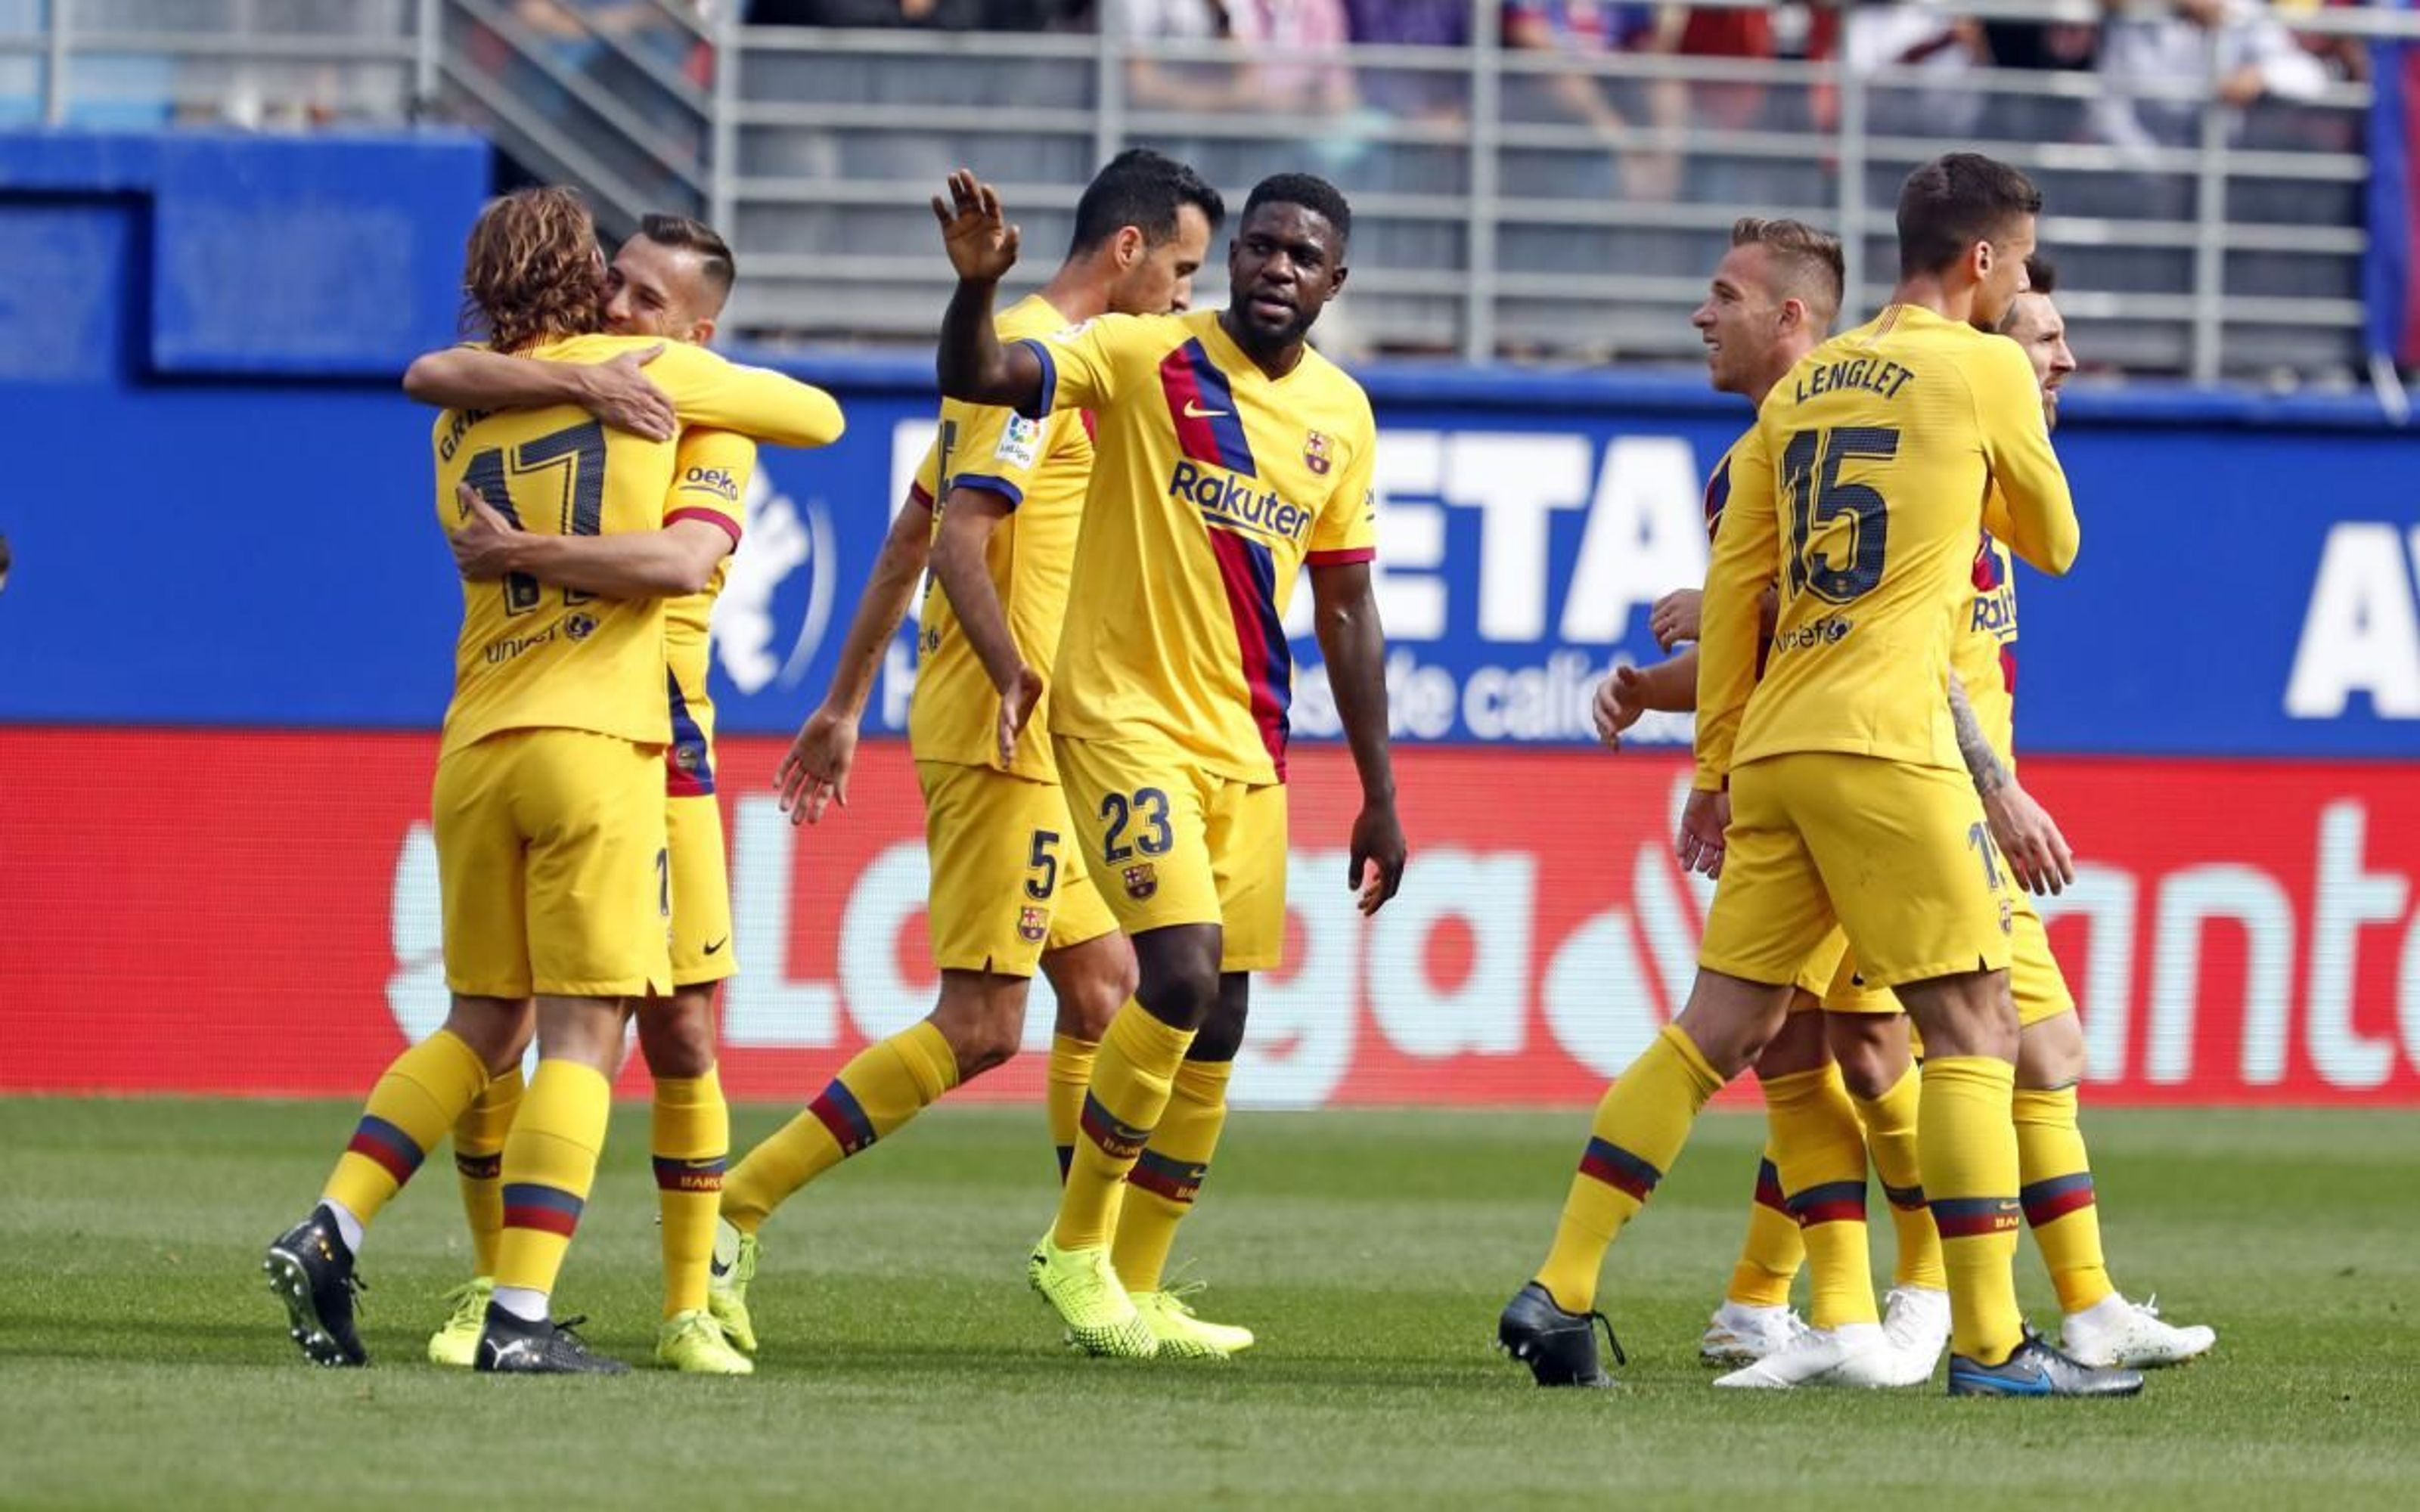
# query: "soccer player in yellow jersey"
[[1771, 301], [1228, 455], [1833, 780], [2098, 1326], [548, 800], [669, 281], [997, 503]]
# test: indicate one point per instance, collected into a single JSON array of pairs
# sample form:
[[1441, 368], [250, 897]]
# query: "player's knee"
[[1872, 1051], [982, 1018], [677, 1035], [2049, 1055], [1179, 975], [1731, 1020], [497, 1029], [1797, 1046]]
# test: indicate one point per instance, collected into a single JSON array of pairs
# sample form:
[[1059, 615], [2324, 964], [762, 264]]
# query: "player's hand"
[[1017, 703], [1674, 618], [1621, 698], [2029, 842], [1376, 867], [815, 772], [482, 546], [620, 394], [1704, 820], [980, 242]]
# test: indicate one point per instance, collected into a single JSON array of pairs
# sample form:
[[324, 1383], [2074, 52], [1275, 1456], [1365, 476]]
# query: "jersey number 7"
[[567, 468]]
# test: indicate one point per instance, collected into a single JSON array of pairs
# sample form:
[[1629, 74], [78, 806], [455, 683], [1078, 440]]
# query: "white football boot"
[[1917, 1321], [2114, 1332], [1739, 1334], [1853, 1355]]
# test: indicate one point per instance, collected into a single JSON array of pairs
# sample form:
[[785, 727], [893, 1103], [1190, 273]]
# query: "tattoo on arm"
[[1982, 762]]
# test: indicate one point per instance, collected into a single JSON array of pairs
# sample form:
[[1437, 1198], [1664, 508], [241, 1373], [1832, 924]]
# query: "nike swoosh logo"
[[1194, 411], [718, 945]]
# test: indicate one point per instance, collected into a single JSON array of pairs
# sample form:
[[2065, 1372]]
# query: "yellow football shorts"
[[1896, 854], [1175, 844], [1009, 881], [2034, 980], [552, 867], [702, 948]]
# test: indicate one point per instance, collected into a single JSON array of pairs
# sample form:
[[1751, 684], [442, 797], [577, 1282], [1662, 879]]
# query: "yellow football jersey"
[[1212, 485], [1041, 467], [531, 656], [1860, 495], [711, 475]]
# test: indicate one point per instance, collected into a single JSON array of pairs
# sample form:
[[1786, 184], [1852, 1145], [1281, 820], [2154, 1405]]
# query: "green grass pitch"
[[143, 1362]]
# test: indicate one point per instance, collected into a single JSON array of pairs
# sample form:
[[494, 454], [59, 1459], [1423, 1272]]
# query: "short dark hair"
[[1145, 190], [1809, 261], [685, 235], [1311, 191], [2041, 274], [1955, 201]]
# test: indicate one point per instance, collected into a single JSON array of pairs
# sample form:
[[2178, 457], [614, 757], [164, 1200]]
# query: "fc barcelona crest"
[[1140, 880], [1032, 925], [1314, 450]]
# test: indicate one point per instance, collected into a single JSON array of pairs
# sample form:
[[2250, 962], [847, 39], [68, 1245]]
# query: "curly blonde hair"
[[533, 271]]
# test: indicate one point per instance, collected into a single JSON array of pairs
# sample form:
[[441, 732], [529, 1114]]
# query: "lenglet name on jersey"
[[1875, 375], [1230, 499]]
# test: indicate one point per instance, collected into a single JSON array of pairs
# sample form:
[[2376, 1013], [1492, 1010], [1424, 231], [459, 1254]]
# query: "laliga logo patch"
[[1314, 450], [1021, 441], [578, 627], [1140, 881], [1032, 925]]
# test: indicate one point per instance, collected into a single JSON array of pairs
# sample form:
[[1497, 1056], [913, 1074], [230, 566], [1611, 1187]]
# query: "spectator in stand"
[[1153, 84], [1586, 30], [1442, 95], [2233, 47], [1921, 38], [927, 15]]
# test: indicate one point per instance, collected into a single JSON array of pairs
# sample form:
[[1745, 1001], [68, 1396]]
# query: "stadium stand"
[[1553, 192]]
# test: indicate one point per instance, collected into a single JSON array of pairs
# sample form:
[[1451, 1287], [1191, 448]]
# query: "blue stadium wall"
[[222, 524]]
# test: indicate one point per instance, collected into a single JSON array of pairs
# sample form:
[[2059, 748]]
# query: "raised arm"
[[817, 769], [971, 363], [1345, 613], [2038, 513], [754, 402], [616, 392]]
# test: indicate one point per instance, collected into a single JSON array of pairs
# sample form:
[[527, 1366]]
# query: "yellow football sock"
[[550, 1163], [1890, 1137], [691, 1142], [479, 1161], [1639, 1128], [1823, 1160], [1132, 1079], [1772, 1252], [1167, 1177], [1969, 1151], [2057, 1190], [1071, 1072], [422, 1094], [885, 1086]]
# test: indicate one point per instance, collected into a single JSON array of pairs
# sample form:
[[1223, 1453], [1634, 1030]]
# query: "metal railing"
[[1491, 219]]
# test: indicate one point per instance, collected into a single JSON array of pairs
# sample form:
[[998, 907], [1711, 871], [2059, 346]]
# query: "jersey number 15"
[[1818, 500]]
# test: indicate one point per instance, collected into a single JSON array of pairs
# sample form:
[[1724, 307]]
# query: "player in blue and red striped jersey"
[[1228, 455]]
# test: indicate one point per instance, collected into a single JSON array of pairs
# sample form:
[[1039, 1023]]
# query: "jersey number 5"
[[1817, 500], [567, 468]]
